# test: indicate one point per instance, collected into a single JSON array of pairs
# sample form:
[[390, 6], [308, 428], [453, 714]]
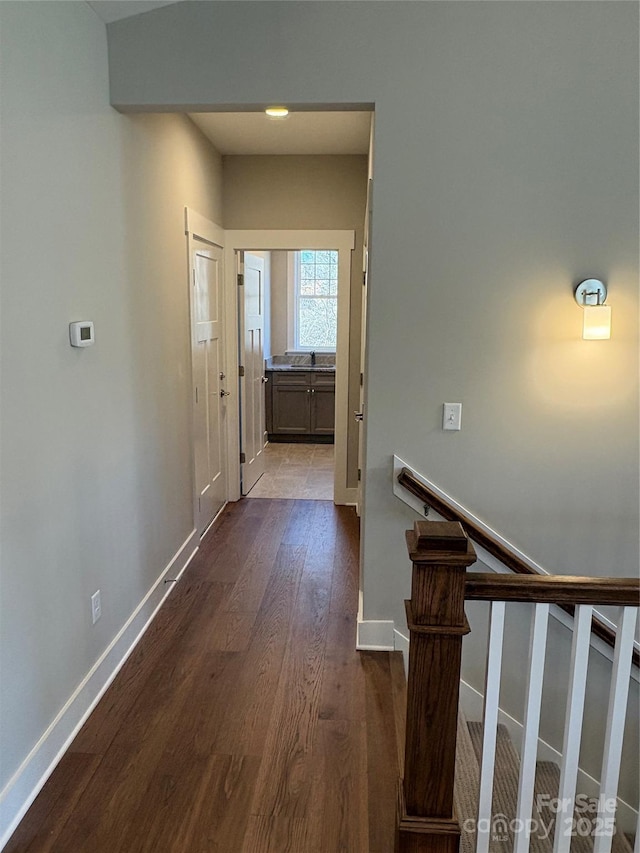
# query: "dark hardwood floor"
[[244, 721]]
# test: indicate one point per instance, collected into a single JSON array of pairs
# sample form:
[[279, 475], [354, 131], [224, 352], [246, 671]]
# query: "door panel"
[[209, 407], [251, 313]]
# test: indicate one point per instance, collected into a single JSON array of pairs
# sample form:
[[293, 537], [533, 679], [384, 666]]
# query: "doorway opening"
[[299, 392], [293, 425], [275, 178]]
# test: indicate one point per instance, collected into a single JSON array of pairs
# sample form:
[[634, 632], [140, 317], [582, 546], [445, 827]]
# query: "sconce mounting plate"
[[591, 291]]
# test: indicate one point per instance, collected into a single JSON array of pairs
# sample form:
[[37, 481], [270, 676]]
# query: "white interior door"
[[252, 378], [209, 388]]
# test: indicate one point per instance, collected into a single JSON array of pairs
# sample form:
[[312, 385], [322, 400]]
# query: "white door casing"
[[360, 415], [209, 381], [366, 254], [251, 298]]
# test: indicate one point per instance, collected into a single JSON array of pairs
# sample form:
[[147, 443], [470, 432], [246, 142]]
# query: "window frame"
[[293, 307]]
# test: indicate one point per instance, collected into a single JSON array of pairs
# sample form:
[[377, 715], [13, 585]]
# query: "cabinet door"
[[268, 405], [291, 405], [323, 410]]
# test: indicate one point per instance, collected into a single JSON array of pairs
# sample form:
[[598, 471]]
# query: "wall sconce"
[[590, 296]]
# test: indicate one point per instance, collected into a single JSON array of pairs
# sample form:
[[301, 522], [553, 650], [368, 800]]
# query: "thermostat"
[[81, 333]]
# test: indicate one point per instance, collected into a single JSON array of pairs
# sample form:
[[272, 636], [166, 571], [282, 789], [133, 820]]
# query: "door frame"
[[199, 228], [271, 240], [244, 388]]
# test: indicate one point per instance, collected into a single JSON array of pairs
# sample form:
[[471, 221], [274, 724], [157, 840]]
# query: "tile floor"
[[300, 471]]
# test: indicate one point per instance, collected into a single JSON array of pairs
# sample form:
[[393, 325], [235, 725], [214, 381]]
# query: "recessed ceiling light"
[[277, 112]]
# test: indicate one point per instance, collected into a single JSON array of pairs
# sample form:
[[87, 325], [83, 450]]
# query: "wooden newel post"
[[440, 552]]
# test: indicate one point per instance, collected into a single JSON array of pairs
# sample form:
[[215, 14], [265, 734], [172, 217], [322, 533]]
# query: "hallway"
[[244, 721]]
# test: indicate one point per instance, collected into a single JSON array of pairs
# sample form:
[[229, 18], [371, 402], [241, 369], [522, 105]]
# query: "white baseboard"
[[375, 635], [471, 701], [402, 645], [28, 780]]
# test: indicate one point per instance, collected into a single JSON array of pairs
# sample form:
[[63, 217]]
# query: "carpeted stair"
[[505, 793]]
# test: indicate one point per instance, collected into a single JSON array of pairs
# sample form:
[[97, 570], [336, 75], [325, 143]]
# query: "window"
[[315, 300]]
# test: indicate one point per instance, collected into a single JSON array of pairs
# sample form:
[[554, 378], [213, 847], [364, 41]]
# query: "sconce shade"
[[597, 323]]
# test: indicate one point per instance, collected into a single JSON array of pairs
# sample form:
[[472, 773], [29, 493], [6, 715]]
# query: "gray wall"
[[96, 465], [506, 170], [279, 296], [506, 159], [304, 192]]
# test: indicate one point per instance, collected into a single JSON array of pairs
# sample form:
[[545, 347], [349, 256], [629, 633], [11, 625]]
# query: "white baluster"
[[573, 727], [617, 712], [490, 724], [529, 752]]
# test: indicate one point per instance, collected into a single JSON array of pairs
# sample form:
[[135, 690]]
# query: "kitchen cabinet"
[[300, 404]]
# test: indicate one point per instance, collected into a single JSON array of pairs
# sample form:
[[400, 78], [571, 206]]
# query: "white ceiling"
[[299, 133], [114, 10]]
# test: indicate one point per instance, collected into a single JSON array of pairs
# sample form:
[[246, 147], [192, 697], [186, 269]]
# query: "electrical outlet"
[[96, 607]]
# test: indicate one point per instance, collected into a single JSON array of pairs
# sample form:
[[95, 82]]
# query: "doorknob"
[[265, 379], [359, 416], [222, 376], [224, 393]]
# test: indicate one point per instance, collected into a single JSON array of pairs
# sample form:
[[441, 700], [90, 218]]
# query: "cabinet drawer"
[[327, 379], [293, 377]]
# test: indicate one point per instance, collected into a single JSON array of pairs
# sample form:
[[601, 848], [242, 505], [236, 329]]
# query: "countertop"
[[296, 365], [302, 368]]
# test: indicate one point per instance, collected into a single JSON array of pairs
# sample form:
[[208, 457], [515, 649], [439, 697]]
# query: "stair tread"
[[505, 792], [547, 783]]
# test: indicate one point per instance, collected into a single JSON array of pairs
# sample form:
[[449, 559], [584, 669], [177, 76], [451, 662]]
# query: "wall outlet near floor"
[[96, 607]]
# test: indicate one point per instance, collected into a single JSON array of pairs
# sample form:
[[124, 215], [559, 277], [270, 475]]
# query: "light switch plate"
[[96, 607], [452, 416]]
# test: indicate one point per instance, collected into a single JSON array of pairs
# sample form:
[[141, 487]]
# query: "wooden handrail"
[[514, 562], [553, 589], [474, 531]]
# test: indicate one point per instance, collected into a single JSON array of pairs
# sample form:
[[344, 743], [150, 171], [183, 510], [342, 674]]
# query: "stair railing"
[[440, 553], [429, 498]]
